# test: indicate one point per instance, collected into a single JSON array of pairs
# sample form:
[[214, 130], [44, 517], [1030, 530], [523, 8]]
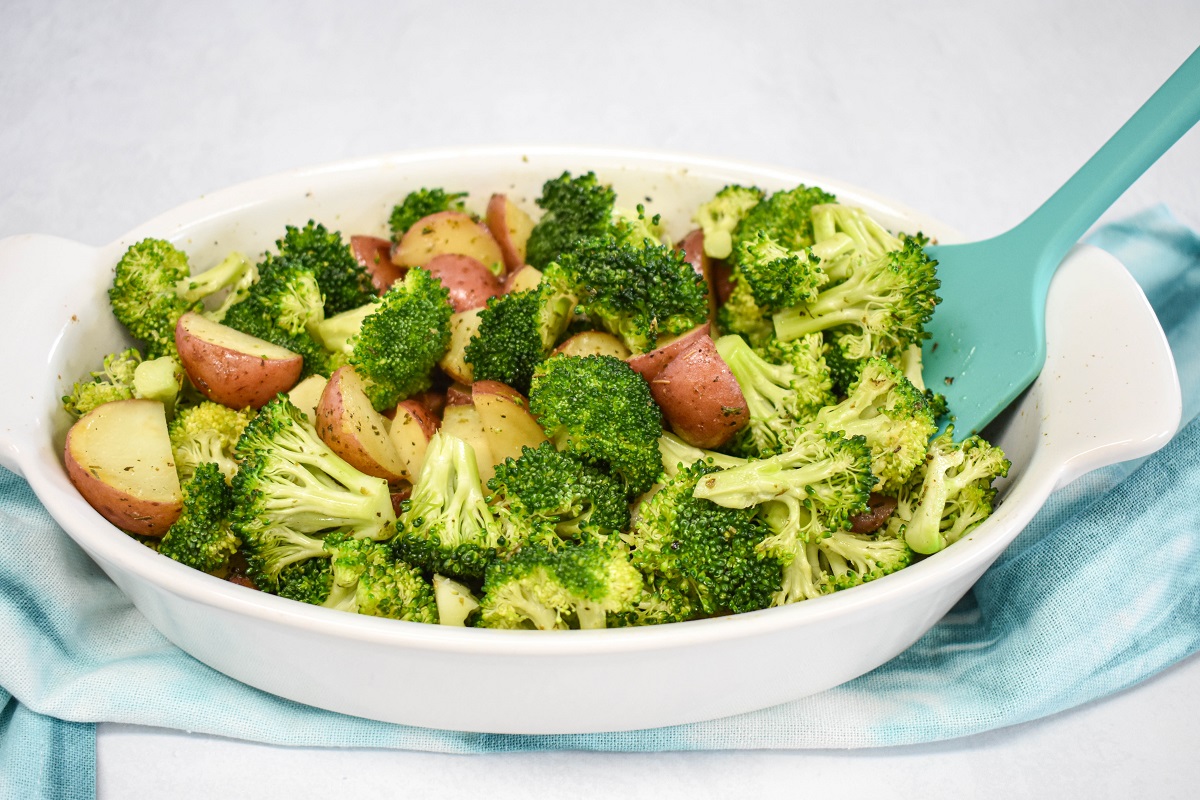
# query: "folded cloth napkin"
[[1074, 610]]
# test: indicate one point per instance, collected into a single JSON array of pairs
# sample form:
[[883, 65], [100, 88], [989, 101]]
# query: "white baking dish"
[[1109, 392]]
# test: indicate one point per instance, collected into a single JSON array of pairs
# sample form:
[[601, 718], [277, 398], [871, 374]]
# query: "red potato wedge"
[[648, 365], [458, 395], [412, 428], [507, 423], [447, 232], [354, 430], [465, 423], [119, 458], [233, 368], [463, 327], [375, 256], [510, 227], [692, 247], [307, 393], [524, 279], [468, 280], [699, 396], [593, 343]]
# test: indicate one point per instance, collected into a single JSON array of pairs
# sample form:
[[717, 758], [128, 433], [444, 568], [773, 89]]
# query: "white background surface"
[[971, 112]]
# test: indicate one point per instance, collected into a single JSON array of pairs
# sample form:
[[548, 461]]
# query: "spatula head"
[[988, 335]]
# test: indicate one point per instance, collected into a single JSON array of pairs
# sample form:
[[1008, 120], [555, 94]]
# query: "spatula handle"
[[1068, 213]]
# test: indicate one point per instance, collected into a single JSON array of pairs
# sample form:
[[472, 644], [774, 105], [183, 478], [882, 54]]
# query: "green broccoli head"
[[891, 414], [577, 586], [880, 309], [640, 294], [701, 551], [368, 579], [786, 217], [420, 204], [556, 489], [113, 382], [448, 527], [598, 409], [516, 332], [949, 494], [291, 486], [576, 208], [284, 308], [776, 276], [202, 537], [395, 343], [634, 228], [145, 294], [719, 217], [741, 315], [204, 433], [344, 283]]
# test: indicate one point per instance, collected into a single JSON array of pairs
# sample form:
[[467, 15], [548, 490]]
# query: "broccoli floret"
[[741, 315], [822, 472], [420, 204], [344, 283], [576, 208], [284, 308], [891, 414], [779, 398], [308, 580], [700, 550], [395, 343], [578, 586], [368, 579], [855, 558], [678, 454], [153, 287], [516, 333], [659, 603], [777, 277], [556, 489], [113, 382], [204, 433], [720, 216], [910, 363], [202, 537], [448, 527], [949, 494], [784, 216], [291, 486], [635, 229], [847, 236], [881, 308], [599, 410], [638, 294]]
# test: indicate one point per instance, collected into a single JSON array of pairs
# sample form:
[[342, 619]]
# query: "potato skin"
[[469, 282], [229, 376], [692, 247], [648, 365], [375, 256], [699, 396], [510, 227]]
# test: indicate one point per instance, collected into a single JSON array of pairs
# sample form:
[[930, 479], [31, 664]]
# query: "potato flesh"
[[465, 423]]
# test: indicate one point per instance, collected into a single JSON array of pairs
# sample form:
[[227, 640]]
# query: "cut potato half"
[[119, 458], [356, 431], [233, 368]]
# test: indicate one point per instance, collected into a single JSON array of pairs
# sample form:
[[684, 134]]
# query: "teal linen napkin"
[[1066, 615]]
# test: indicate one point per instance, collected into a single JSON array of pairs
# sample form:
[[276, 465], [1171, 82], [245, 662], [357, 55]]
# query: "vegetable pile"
[[568, 423]]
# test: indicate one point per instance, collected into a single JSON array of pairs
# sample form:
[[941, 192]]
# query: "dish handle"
[[43, 280]]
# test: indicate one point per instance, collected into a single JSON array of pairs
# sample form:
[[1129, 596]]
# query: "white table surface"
[[972, 112]]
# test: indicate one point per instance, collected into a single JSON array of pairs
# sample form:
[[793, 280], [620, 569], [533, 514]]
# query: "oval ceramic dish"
[[1107, 355]]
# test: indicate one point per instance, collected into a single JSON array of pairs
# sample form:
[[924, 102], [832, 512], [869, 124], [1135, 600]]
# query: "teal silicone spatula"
[[988, 335]]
